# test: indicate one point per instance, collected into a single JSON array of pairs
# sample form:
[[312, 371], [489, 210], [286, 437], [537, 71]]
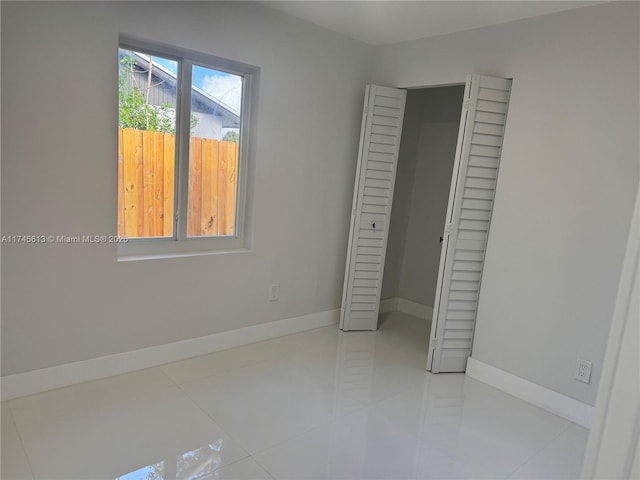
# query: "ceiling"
[[385, 22]]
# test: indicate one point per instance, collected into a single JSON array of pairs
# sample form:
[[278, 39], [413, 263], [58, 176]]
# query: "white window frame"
[[180, 244]]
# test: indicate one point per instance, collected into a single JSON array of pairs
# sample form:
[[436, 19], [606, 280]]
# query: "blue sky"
[[220, 85]]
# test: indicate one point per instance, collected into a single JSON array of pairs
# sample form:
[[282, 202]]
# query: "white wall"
[[65, 303], [613, 448], [208, 126], [566, 185]]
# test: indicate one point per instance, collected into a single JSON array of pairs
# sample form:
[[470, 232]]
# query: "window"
[[183, 141]]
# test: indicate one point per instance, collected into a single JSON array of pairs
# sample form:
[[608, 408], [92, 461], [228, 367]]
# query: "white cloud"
[[227, 89]]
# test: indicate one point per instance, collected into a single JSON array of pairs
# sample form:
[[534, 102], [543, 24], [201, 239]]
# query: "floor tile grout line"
[[271, 474], [193, 402], [24, 449], [227, 372], [300, 347], [334, 420], [234, 370], [330, 421], [536, 452], [311, 429], [136, 395], [242, 460], [208, 377]]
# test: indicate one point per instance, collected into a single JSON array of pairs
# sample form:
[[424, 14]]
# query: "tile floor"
[[320, 404]]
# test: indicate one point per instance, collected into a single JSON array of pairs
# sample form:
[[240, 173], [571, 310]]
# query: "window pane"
[[146, 144], [213, 152]]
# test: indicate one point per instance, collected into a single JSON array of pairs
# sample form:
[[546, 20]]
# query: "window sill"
[[158, 248], [160, 256]]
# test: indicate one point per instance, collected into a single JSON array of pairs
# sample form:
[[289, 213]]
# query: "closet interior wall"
[[423, 180]]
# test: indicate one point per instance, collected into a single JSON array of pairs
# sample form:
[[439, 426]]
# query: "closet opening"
[[423, 180], [441, 148]]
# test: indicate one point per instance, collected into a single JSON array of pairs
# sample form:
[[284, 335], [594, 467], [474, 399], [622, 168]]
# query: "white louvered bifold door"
[[372, 197], [468, 218]]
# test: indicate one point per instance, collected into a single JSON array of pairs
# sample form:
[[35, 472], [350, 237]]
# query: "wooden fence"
[[146, 185]]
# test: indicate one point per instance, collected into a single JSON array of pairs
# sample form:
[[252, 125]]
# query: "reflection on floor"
[[321, 404]]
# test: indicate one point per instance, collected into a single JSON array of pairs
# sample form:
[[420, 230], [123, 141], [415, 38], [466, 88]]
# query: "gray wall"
[[566, 186], [430, 193], [425, 165], [401, 207], [66, 303]]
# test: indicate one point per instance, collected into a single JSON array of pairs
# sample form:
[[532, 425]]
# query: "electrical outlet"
[[274, 293], [583, 371]]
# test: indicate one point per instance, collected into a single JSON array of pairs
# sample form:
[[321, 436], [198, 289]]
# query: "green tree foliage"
[[135, 112], [231, 136]]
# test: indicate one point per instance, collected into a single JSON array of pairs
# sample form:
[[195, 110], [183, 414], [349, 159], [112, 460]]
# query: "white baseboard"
[[37, 381], [388, 305], [554, 402], [398, 304], [416, 309]]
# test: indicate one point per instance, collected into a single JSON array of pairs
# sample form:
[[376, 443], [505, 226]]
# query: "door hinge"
[[465, 105], [447, 229], [434, 343]]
